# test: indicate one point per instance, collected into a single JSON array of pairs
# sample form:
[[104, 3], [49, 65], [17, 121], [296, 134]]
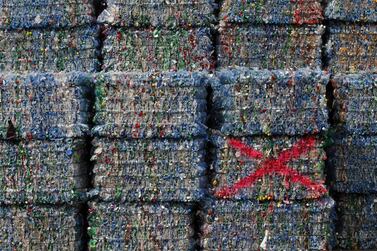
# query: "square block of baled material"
[[270, 47], [353, 163], [356, 222], [352, 11], [271, 11], [355, 106], [247, 225], [253, 102], [25, 14], [156, 49], [149, 170], [44, 105], [352, 48], [41, 228], [52, 50], [43, 171], [279, 168], [151, 105], [140, 227], [159, 13]]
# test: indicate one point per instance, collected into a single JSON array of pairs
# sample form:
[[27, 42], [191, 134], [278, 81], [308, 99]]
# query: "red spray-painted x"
[[274, 166]]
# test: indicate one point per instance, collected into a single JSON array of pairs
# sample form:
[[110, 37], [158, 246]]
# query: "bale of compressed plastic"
[[254, 102], [271, 12], [351, 10], [45, 105], [158, 49], [278, 168], [25, 14], [159, 13], [151, 105], [248, 225], [352, 48], [140, 227], [270, 47], [74, 49], [149, 170], [355, 107], [41, 228], [356, 227], [352, 163], [43, 171]]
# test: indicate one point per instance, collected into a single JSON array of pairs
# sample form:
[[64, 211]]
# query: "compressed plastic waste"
[[352, 48], [49, 50], [44, 105], [355, 104], [137, 227], [352, 10], [357, 222], [26, 14], [149, 170], [278, 174], [151, 105], [159, 13], [248, 225], [41, 228], [43, 171], [271, 11], [254, 102], [270, 47], [158, 49]]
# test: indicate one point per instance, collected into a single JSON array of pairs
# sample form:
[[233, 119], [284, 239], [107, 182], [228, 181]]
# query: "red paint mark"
[[274, 166]]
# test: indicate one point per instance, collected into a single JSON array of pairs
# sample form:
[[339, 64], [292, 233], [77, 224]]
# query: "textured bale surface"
[[352, 10], [156, 49], [24, 14], [149, 170], [44, 105], [353, 164], [357, 222], [159, 13], [355, 107], [40, 228], [230, 166], [140, 227], [270, 47], [49, 50], [151, 105], [246, 225], [252, 102], [43, 171], [271, 11], [352, 48]]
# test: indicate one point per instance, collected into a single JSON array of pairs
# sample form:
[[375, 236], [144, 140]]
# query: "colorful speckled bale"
[[140, 227], [355, 106], [255, 102], [26, 14], [270, 47], [352, 10], [159, 13], [357, 222], [148, 105], [158, 49], [149, 170], [49, 50], [41, 228], [271, 11], [247, 225]]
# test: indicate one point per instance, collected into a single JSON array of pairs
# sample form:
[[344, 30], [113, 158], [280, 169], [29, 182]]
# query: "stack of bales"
[[45, 113], [352, 158], [149, 146], [267, 173]]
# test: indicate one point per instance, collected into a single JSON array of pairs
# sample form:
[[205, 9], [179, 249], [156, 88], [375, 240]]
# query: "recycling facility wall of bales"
[[188, 125]]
